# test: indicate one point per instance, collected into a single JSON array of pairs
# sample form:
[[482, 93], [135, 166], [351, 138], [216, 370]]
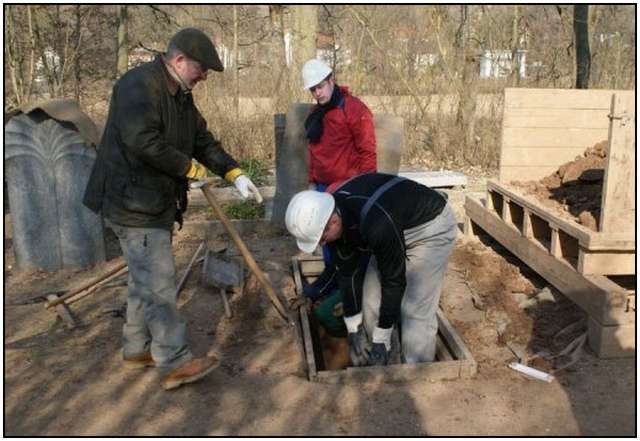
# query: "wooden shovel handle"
[[248, 257]]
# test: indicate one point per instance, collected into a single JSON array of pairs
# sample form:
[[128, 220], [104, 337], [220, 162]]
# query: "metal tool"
[[246, 254]]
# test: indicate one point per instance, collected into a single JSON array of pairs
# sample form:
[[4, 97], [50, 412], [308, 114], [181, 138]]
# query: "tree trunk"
[[466, 89], [304, 39], [236, 64], [122, 63], [515, 59], [583, 54], [76, 61]]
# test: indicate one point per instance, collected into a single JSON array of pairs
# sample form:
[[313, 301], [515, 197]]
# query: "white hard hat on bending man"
[[311, 219]]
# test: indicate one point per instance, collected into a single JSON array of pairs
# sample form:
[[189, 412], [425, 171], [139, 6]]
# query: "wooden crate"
[[610, 306], [545, 128], [453, 359], [584, 250]]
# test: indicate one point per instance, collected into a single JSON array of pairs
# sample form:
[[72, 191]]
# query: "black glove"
[[357, 347], [378, 356]]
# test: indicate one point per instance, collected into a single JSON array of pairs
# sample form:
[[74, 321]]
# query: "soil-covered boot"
[[191, 371], [139, 361]]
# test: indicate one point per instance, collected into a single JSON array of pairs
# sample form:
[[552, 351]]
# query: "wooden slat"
[[551, 157], [612, 341], [558, 118], [610, 263], [442, 352], [311, 266], [559, 98], [509, 173], [441, 370], [618, 191], [452, 339], [308, 344], [552, 137], [606, 306]]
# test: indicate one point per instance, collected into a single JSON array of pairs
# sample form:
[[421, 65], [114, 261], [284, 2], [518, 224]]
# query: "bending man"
[[409, 231]]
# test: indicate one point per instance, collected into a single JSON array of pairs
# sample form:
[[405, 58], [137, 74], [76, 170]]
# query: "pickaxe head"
[[200, 183]]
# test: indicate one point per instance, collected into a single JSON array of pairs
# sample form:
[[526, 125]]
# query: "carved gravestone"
[[47, 165], [292, 167]]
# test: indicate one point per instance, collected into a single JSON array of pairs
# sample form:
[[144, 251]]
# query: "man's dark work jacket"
[[403, 206], [153, 130]]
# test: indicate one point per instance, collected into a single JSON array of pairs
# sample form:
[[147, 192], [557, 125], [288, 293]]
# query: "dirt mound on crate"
[[575, 189]]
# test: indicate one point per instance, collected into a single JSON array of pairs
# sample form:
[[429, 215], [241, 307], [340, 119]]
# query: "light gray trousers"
[[153, 322], [428, 249]]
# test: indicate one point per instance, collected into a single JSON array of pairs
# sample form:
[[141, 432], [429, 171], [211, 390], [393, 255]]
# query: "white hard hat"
[[307, 215], [313, 72]]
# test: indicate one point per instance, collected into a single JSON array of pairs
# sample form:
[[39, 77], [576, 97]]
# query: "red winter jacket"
[[348, 143]]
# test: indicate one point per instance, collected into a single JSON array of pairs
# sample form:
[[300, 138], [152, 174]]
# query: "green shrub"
[[248, 209]]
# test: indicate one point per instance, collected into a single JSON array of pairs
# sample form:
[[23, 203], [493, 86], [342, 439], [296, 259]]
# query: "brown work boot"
[[191, 371], [139, 361]]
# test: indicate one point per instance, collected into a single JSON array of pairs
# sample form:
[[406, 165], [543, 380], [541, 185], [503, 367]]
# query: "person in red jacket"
[[342, 139], [342, 144]]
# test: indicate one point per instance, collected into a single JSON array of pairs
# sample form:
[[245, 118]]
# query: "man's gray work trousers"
[[153, 321], [428, 249]]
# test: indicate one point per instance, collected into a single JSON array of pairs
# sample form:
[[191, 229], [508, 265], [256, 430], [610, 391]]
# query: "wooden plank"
[[312, 371], [527, 230], [559, 98], [618, 190], [606, 306], [552, 137], [312, 265], [539, 156], [558, 118], [510, 173], [306, 343], [612, 263], [555, 244], [452, 339], [441, 370], [612, 341], [442, 352]]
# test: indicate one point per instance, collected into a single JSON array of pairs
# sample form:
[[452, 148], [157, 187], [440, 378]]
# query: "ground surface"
[[71, 382]]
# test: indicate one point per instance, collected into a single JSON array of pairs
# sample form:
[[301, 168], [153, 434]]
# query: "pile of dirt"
[[575, 189]]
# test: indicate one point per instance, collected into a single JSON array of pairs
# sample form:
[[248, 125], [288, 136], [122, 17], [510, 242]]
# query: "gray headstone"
[[292, 169], [47, 166]]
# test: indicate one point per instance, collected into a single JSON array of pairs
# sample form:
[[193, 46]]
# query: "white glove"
[[353, 322], [244, 186], [381, 335]]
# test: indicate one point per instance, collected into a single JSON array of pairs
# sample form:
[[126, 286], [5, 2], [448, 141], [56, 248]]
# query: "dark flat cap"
[[196, 45]]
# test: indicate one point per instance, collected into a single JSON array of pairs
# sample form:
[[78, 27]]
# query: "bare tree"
[[122, 57], [583, 54]]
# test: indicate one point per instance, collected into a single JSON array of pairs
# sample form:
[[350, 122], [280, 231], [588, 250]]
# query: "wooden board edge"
[[452, 338]]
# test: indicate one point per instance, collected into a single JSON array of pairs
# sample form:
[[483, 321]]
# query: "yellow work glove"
[[197, 171]]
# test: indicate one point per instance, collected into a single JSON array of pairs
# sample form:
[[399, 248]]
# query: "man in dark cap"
[[139, 183]]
